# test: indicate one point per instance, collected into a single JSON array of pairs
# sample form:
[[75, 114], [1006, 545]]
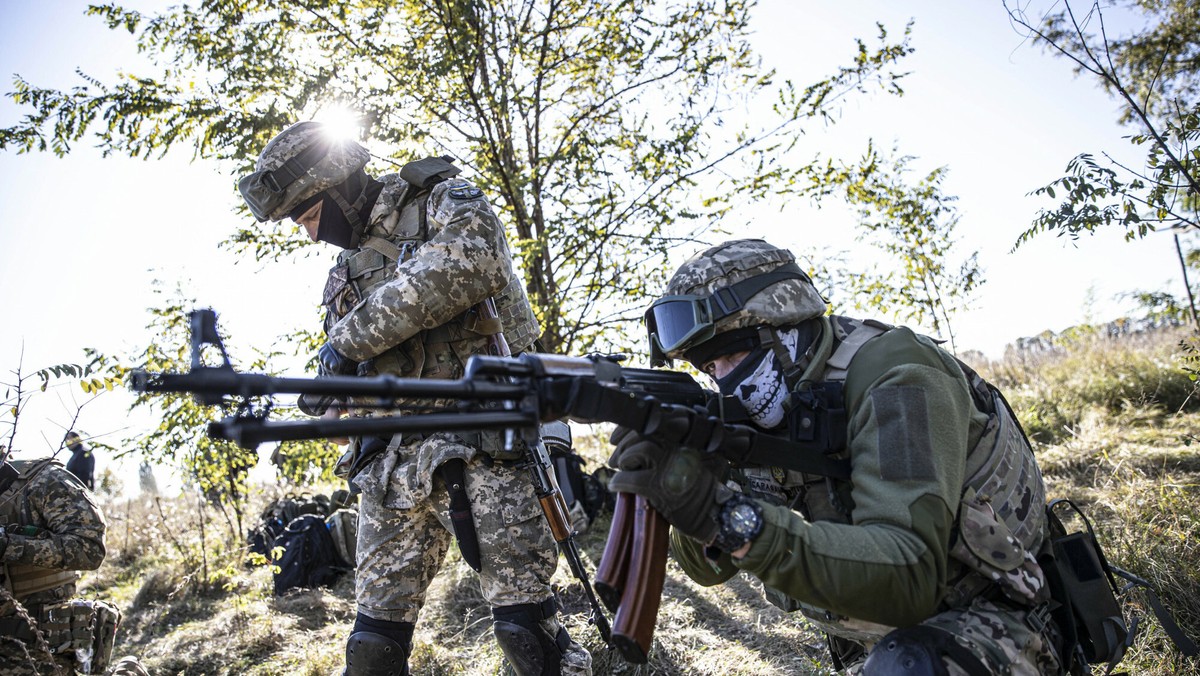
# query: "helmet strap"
[[768, 337], [353, 211]]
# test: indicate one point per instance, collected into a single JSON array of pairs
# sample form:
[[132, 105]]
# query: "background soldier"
[[925, 556], [51, 529], [421, 250], [83, 462]]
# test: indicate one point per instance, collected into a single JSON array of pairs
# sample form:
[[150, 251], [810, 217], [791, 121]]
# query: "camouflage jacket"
[[404, 302], [889, 548], [455, 255], [64, 531]]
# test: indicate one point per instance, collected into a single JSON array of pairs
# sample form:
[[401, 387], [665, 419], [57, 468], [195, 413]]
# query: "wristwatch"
[[740, 521]]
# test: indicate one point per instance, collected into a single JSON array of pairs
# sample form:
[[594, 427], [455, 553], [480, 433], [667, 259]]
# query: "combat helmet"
[[718, 297], [299, 163]]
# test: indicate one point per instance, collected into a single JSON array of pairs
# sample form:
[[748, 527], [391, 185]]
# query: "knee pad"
[[525, 641], [913, 651], [378, 647]]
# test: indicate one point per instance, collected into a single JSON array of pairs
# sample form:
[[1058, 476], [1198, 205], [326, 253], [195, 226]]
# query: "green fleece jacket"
[[911, 424]]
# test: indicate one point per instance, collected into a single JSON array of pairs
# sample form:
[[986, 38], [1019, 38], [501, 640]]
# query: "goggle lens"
[[674, 322]]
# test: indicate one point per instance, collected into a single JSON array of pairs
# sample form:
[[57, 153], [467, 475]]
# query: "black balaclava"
[[358, 192]]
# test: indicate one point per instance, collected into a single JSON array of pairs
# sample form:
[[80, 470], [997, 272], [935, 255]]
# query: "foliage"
[[607, 130], [1056, 382], [22, 386], [218, 468], [1152, 73], [912, 224]]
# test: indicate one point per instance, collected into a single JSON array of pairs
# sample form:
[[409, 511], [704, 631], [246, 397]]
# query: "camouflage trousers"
[[404, 532], [18, 658], [999, 636]]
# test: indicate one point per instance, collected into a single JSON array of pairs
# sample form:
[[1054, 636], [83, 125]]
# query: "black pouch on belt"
[[454, 475]]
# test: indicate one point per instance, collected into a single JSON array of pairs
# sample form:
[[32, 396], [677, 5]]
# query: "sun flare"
[[341, 122]]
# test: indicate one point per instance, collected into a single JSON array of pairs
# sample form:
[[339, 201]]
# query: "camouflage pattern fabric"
[[70, 536], [404, 533], [999, 636], [70, 524], [465, 260], [787, 302], [402, 539]]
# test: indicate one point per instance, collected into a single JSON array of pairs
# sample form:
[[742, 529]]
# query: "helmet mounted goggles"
[[264, 191], [676, 323]]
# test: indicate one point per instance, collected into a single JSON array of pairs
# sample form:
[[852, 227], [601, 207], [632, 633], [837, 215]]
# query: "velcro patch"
[[905, 446], [466, 192]]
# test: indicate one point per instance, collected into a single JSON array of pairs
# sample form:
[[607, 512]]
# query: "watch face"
[[744, 521]]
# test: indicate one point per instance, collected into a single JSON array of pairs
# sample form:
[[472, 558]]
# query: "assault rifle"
[[512, 394]]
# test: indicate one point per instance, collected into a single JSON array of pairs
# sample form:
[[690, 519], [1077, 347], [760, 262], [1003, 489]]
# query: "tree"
[[914, 225], [1153, 73], [21, 386], [607, 130], [218, 468]]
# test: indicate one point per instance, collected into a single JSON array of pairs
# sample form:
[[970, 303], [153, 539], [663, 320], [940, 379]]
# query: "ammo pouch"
[[88, 629], [1081, 581], [1088, 612]]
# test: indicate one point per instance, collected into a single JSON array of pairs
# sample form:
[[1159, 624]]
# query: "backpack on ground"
[[308, 557], [343, 528], [279, 514]]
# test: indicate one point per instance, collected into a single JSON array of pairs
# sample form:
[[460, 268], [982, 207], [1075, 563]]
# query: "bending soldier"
[[420, 249], [923, 561], [83, 462]]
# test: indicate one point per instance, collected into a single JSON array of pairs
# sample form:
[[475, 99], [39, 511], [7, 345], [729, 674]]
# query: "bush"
[[1054, 382]]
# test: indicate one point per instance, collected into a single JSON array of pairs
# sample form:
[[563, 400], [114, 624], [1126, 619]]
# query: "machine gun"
[[512, 394]]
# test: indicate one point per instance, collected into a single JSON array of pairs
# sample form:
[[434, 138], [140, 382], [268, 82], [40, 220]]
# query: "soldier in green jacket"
[[923, 560]]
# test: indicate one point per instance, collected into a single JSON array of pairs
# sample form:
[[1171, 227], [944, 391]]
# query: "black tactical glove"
[[678, 482], [334, 363]]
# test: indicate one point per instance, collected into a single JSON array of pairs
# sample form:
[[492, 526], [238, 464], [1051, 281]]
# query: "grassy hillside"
[[1117, 430]]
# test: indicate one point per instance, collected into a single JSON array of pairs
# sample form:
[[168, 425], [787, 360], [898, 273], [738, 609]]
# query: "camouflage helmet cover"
[[784, 303], [271, 196]]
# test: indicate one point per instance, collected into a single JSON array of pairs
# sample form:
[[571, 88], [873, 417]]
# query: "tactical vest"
[[23, 580], [1001, 523], [441, 352]]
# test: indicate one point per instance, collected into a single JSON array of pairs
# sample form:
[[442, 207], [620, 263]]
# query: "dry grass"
[[1114, 445]]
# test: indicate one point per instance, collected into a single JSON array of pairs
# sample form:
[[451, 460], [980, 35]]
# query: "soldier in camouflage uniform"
[[49, 528], [922, 559], [421, 250]]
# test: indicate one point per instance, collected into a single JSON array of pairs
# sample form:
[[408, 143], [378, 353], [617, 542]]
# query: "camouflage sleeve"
[[908, 442], [73, 527], [465, 261]]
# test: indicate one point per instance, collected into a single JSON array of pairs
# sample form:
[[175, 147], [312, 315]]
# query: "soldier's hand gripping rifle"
[[513, 394]]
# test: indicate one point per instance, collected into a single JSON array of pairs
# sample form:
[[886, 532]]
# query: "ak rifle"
[[513, 394]]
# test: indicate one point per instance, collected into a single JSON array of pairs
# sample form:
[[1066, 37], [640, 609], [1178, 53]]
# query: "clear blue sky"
[[83, 239]]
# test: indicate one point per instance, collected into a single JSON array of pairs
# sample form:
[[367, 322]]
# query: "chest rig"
[[21, 580], [1000, 525], [440, 352]]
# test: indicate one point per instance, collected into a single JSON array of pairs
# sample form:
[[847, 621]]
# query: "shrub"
[[1054, 382]]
